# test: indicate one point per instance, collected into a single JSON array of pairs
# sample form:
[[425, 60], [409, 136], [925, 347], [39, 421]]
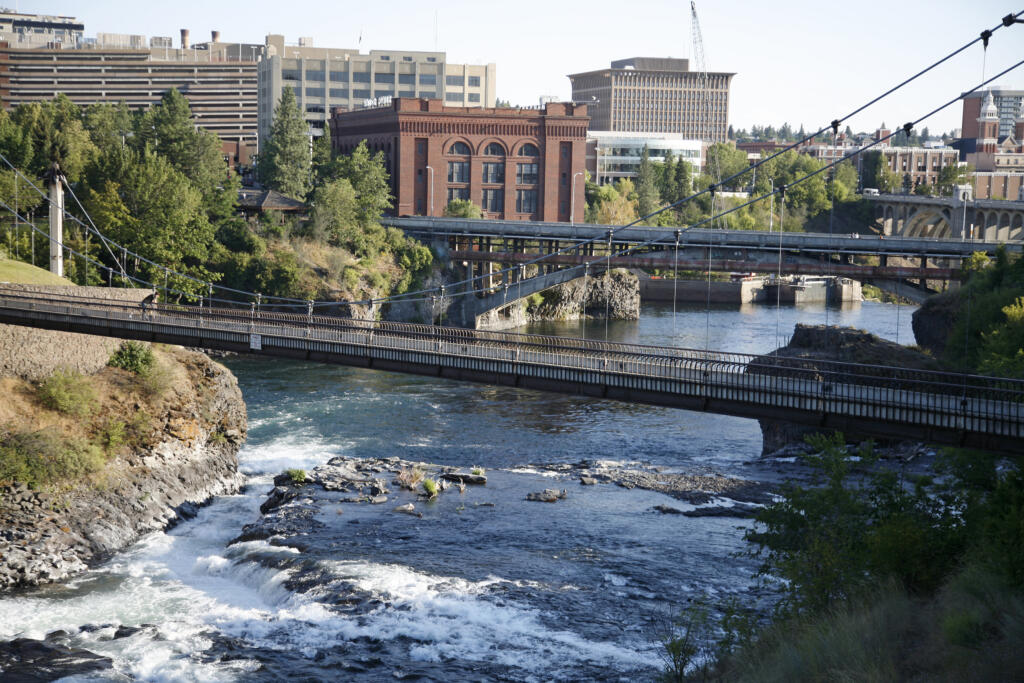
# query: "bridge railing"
[[868, 391]]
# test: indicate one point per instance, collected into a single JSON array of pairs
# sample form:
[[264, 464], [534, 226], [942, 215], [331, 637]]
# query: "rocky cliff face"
[[191, 455], [811, 343], [616, 297], [934, 320]]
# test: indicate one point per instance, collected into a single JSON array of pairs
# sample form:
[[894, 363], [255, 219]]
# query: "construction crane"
[[701, 67]]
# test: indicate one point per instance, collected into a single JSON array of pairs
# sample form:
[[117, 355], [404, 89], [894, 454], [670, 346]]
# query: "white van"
[[869, 192]]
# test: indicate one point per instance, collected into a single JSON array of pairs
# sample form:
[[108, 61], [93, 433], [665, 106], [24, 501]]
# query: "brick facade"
[[517, 164]]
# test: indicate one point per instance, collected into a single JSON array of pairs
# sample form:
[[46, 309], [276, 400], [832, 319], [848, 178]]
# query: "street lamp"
[[430, 190], [572, 199]]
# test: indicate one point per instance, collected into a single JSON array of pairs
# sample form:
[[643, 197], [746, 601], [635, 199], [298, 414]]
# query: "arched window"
[[494, 150], [460, 148], [529, 150]]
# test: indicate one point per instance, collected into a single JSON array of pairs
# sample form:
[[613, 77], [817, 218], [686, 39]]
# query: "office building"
[[1007, 103], [521, 164], [218, 79], [612, 155], [656, 95], [325, 79]]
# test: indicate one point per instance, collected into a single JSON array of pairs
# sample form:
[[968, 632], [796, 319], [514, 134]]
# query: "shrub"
[[68, 392], [297, 476], [112, 435], [43, 457], [831, 541], [133, 356], [410, 477], [477, 471], [431, 487], [155, 380]]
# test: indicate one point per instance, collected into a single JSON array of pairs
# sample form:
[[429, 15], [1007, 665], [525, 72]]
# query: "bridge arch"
[[1017, 227], [928, 222]]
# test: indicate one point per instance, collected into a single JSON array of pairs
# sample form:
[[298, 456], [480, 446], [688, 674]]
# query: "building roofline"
[[608, 70]]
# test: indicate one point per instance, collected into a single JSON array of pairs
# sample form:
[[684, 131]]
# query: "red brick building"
[[521, 164]]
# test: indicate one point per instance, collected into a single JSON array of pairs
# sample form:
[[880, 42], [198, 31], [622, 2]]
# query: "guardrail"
[[951, 407]]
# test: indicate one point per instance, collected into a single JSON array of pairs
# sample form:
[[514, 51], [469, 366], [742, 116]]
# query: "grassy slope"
[[25, 274]]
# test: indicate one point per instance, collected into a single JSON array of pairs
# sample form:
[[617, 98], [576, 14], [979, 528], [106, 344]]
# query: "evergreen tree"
[[370, 180], [684, 184], [324, 167], [646, 187], [667, 186], [285, 164], [195, 152]]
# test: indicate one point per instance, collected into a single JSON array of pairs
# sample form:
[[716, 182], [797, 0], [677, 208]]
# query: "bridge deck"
[[981, 412], [702, 237]]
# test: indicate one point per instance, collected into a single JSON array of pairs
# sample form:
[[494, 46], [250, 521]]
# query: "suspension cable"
[[406, 297]]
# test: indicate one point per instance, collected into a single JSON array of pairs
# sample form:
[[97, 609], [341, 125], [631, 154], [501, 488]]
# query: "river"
[[485, 586]]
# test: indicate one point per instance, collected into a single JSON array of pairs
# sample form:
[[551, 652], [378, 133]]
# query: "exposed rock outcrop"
[[48, 535], [934, 320], [812, 343], [616, 297]]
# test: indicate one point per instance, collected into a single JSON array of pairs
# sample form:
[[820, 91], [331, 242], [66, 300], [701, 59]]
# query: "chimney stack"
[[214, 36], [184, 39]]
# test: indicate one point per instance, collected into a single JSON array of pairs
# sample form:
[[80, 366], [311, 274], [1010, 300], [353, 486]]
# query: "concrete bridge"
[[468, 231], [487, 246], [958, 218], [886, 402]]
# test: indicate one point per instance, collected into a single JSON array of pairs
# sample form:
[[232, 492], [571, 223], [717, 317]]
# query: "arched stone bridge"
[[907, 215]]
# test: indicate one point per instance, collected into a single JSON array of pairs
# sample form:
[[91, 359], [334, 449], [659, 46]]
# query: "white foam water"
[[190, 585]]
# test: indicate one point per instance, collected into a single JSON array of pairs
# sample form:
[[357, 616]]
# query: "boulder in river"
[[547, 495]]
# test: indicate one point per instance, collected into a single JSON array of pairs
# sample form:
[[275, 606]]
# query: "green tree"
[[684, 179], [648, 200], [149, 207], [335, 213], [324, 166], [462, 208], [369, 177], [668, 188], [952, 175], [284, 163], [613, 204], [725, 161], [109, 125], [877, 173], [169, 128]]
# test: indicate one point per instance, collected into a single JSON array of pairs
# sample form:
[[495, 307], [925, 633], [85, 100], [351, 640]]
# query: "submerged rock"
[[25, 659], [547, 495], [464, 478]]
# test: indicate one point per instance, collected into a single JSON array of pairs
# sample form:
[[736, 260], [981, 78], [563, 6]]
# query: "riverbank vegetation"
[[159, 185], [66, 428], [883, 576]]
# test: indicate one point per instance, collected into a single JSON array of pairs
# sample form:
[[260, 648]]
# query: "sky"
[[797, 61]]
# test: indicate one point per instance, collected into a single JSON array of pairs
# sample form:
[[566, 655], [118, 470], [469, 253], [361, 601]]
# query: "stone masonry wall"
[[35, 354]]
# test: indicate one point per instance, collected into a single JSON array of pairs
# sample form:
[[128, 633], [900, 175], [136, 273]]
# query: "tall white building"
[[327, 78]]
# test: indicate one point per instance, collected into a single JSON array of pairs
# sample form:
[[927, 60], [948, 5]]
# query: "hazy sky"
[[801, 61]]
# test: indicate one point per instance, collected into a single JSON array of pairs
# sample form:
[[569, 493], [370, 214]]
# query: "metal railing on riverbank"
[[951, 408]]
